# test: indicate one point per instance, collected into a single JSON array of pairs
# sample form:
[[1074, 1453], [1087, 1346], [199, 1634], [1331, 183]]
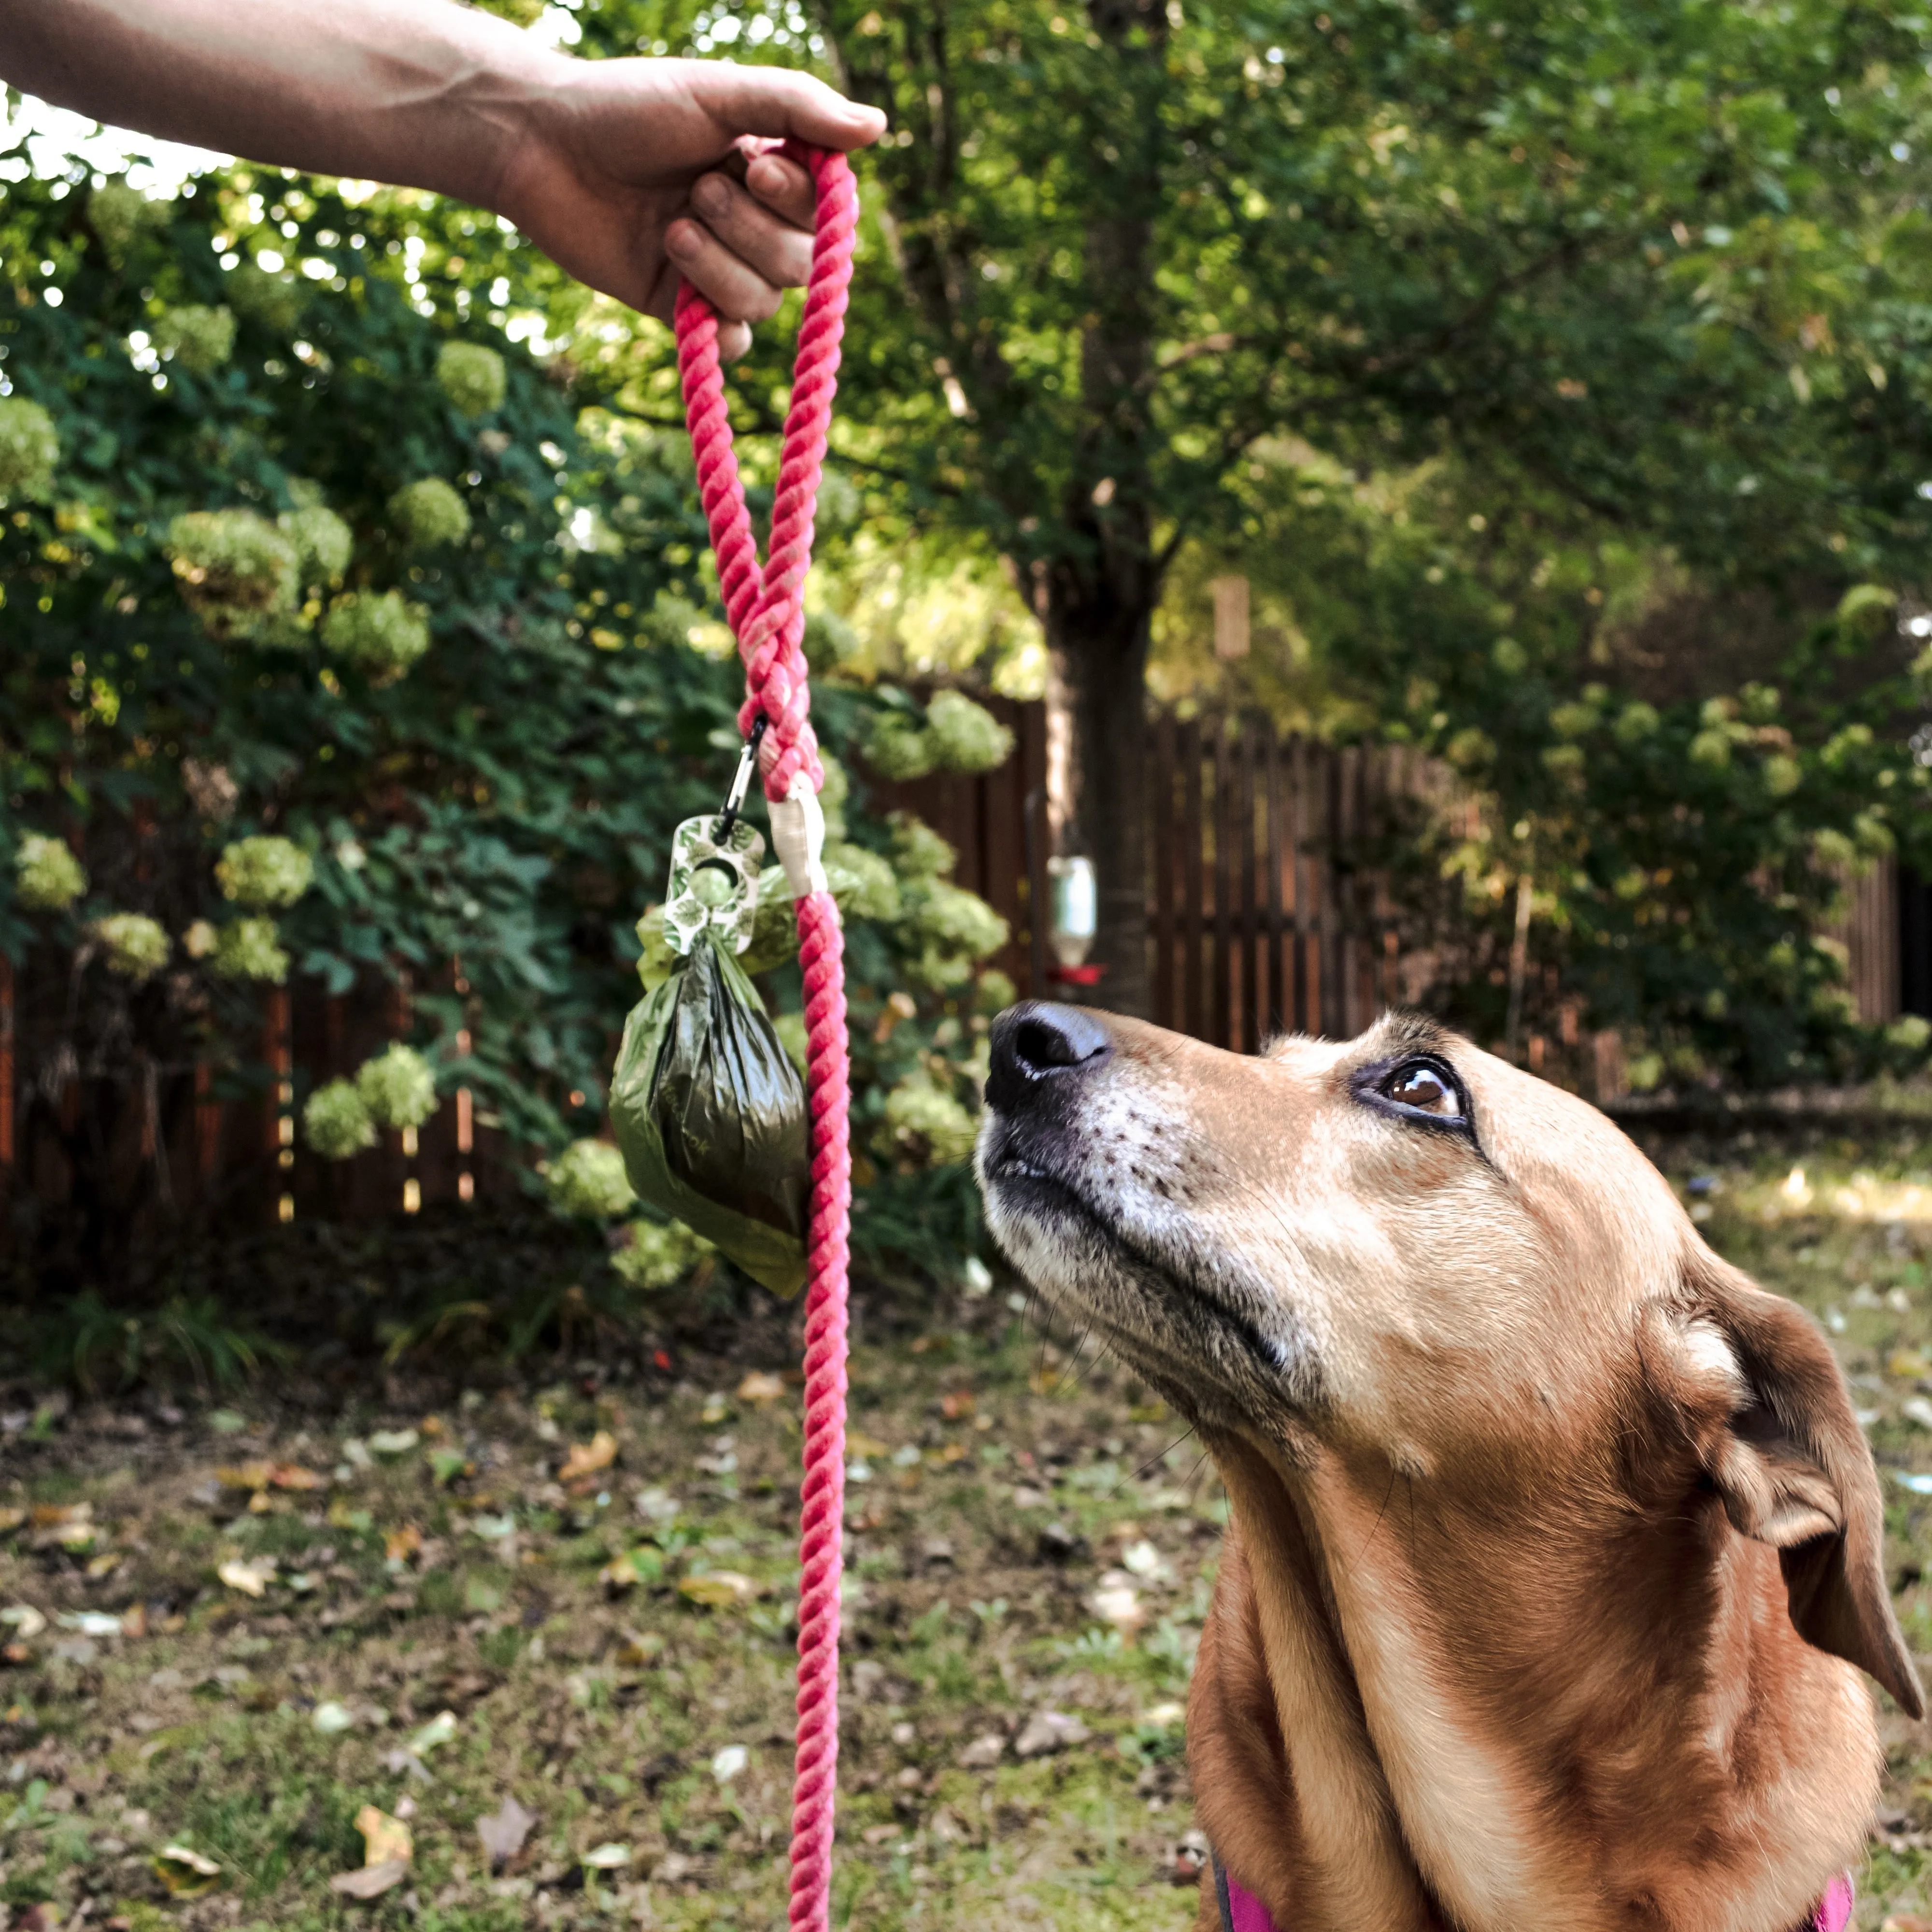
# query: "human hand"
[[624, 175]]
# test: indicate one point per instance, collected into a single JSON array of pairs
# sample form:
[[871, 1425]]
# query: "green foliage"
[[237, 572], [121, 215], [273, 302], [136, 946], [202, 629], [955, 735], [471, 376], [336, 1122], [397, 1087], [193, 1339], [382, 634], [898, 748], [918, 1110], [199, 338], [323, 543], [429, 512], [1508, 353], [29, 448], [263, 871], [966, 736], [47, 877], [249, 949], [587, 1180], [659, 1254]]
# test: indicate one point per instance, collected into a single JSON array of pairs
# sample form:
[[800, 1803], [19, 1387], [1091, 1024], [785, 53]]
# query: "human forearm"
[[422, 92], [608, 165]]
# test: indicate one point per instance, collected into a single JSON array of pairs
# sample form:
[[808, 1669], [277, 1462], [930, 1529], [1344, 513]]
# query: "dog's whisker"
[[1154, 1462]]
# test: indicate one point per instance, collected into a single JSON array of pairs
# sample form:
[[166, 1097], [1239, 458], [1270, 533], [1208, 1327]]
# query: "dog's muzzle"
[[1041, 1055]]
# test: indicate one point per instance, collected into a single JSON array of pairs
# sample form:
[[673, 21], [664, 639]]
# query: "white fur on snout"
[[1133, 1156]]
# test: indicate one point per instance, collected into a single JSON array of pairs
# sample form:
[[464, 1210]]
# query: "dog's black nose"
[[1034, 1042]]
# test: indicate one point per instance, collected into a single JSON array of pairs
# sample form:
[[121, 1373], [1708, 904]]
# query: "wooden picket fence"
[[1266, 913]]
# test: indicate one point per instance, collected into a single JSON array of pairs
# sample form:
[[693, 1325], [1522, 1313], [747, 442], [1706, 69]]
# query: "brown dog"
[[1554, 1539]]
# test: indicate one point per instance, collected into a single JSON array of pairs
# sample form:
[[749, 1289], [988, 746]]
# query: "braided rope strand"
[[766, 611]]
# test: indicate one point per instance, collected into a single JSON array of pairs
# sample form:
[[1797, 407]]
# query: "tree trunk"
[[1096, 754]]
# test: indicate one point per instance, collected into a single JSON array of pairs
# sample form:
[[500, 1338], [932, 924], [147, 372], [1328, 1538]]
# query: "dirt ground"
[[520, 1652]]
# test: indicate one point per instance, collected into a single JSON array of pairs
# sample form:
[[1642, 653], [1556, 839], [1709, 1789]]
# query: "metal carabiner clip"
[[741, 782]]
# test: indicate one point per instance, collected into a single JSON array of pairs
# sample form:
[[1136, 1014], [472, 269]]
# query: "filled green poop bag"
[[708, 1109]]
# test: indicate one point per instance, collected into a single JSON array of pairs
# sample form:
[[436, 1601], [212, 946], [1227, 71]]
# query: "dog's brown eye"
[[1424, 1088]]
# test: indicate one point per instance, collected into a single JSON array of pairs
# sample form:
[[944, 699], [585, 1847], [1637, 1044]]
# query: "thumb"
[[779, 101]]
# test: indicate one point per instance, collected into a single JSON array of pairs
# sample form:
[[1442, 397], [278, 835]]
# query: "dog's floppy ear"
[[1771, 1418]]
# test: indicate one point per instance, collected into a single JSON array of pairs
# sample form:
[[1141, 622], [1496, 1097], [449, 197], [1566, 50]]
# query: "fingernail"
[[711, 196], [681, 239]]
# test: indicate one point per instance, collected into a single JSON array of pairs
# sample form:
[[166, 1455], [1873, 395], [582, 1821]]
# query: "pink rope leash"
[[767, 612]]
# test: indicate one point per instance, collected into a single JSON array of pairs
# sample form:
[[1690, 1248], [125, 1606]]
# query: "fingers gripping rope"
[[767, 612]]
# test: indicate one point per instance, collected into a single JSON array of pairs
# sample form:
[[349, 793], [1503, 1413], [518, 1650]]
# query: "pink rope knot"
[[765, 609]]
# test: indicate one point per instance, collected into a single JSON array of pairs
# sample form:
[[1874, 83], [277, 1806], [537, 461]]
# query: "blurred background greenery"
[[1556, 377]]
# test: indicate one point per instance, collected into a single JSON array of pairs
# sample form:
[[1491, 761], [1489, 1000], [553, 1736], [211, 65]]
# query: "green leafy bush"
[[176, 688], [237, 570], [429, 512], [658, 1254], [382, 634], [47, 877], [136, 945], [29, 450], [471, 377], [274, 301], [917, 1110], [336, 1121], [122, 214], [263, 871], [249, 949], [323, 542], [966, 737], [398, 1087], [587, 1180], [198, 337], [898, 747]]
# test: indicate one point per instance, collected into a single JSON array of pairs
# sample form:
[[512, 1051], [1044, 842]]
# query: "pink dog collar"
[[1241, 1911]]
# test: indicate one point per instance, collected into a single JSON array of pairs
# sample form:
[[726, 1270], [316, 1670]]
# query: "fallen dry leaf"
[[858, 1443], [960, 1402], [10, 1519], [438, 1731], [1119, 1604], [400, 1545], [372, 1881], [293, 1476], [760, 1386], [1046, 1732], [252, 1576], [585, 1459], [385, 1840], [503, 1831], [27, 1621], [61, 1516], [244, 1475], [187, 1873], [636, 1648], [718, 1589]]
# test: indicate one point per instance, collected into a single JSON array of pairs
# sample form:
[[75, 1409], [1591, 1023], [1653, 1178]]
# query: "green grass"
[[602, 1712]]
